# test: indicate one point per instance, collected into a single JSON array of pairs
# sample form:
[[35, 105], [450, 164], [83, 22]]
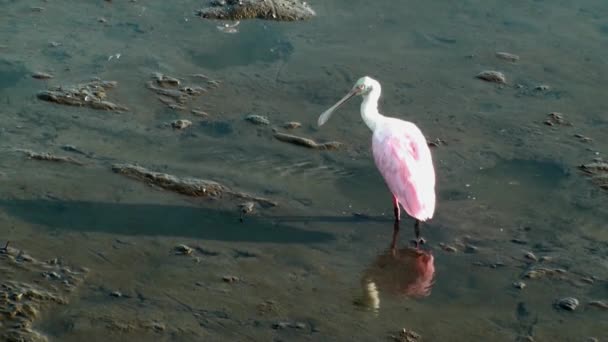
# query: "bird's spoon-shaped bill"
[[326, 114]]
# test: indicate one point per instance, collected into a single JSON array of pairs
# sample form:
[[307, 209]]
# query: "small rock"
[[230, 279], [406, 335], [181, 124], [546, 258], [299, 325], [602, 304], [507, 56], [292, 125], [583, 138], [448, 248], [199, 112], [257, 119], [530, 256], [519, 285], [280, 325], [592, 339], [116, 294], [555, 118], [542, 87], [519, 241], [183, 250], [568, 303], [41, 76], [102, 20], [492, 76]]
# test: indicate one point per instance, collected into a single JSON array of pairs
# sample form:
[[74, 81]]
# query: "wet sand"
[[507, 183]]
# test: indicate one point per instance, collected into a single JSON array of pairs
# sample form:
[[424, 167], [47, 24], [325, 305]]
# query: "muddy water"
[[507, 183]]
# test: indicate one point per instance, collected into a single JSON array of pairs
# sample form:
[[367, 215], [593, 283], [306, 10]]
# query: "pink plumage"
[[403, 158], [401, 154]]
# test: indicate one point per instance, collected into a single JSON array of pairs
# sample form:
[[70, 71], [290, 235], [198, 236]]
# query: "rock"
[[91, 94], [165, 81], [49, 157], [199, 112], [292, 125], [187, 186], [257, 119], [41, 75], [507, 56], [583, 138], [181, 124], [282, 10], [519, 285], [530, 256], [492, 76], [230, 279], [602, 304], [598, 173], [542, 87], [183, 250], [568, 303], [555, 118], [296, 140], [448, 248], [406, 335], [116, 294]]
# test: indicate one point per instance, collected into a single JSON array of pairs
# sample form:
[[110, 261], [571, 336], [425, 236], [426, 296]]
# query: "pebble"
[[448, 248], [41, 76], [555, 118], [116, 294], [230, 279], [407, 335], [530, 256], [199, 112], [181, 124], [183, 250], [542, 87], [492, 76], [292, 125], [257, 119], [507, 56], [568, 303], [519, 285], [283, 325]]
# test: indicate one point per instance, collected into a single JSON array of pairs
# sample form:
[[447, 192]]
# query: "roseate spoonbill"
[[401, 155]]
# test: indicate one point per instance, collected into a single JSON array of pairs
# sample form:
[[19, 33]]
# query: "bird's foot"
[[418, 242]]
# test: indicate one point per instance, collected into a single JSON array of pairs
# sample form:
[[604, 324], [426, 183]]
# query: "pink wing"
[[403, 157]]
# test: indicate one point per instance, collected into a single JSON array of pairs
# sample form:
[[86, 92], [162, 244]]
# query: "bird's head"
[[362, 87]]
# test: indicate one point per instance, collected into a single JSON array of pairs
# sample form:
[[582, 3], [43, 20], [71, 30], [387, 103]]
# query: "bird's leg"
[[395, 234], [396, 209], [418, 240]]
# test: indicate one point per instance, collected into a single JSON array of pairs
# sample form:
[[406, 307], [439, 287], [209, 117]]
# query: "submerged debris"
[[91, 94], [555, 118], [598, 172], [296, 140], [49, 157], [492, 76], [507, 56], [281, 10], [567, 303], [187, 186]]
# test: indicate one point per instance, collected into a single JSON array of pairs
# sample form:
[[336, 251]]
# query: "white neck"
[[369, 109]]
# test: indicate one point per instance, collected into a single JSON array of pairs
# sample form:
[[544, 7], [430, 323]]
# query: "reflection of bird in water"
[[401, 154], [408, 271]]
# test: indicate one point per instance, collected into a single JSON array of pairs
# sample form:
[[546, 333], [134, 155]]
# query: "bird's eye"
[[361, 86]]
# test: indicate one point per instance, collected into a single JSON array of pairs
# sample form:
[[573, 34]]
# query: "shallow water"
[[507, 183]]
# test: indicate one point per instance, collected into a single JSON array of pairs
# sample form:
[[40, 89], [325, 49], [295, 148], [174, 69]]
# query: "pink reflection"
[[406, 271]]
